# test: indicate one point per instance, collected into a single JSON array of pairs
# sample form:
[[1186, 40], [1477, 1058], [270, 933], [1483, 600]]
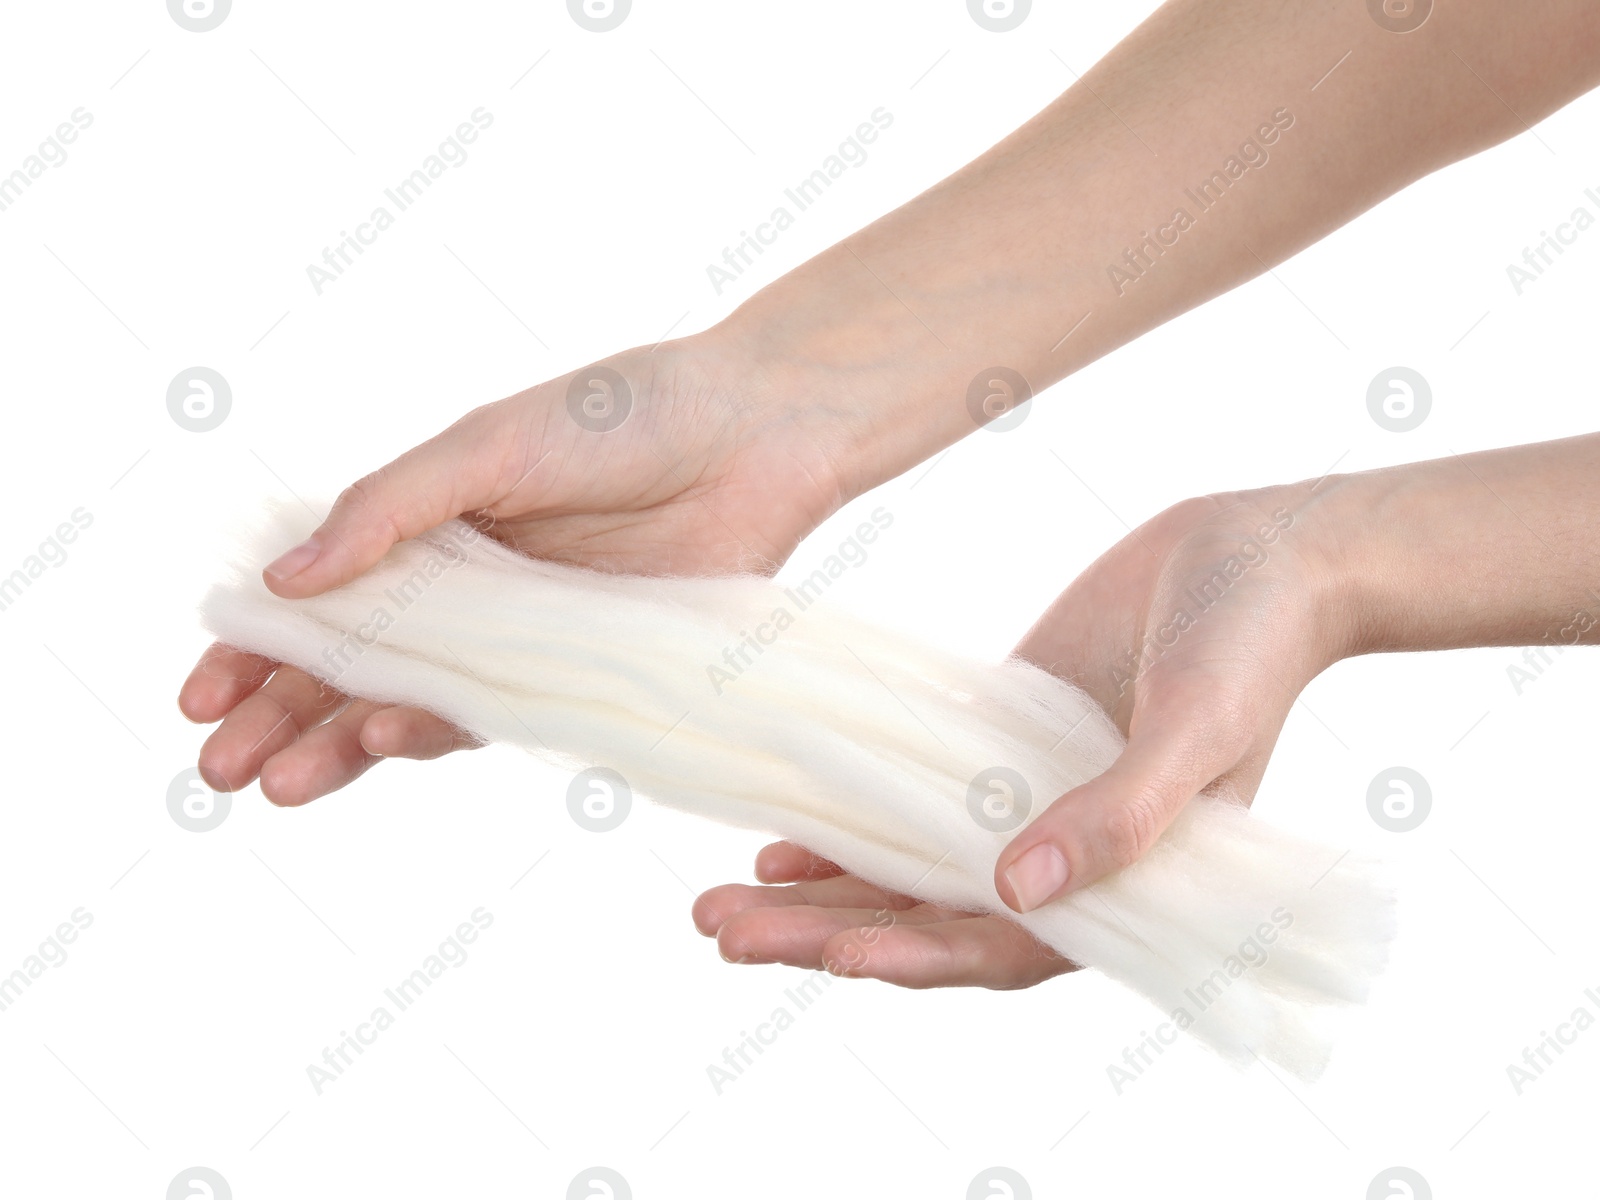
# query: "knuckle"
[[1177, 519], [362, 505], [1130, 829], [361, 497]]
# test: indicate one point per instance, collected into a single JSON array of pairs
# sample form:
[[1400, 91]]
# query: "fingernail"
[[1037, 876], [292, 562]]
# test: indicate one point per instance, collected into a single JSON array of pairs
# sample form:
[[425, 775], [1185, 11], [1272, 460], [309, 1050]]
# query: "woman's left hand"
[[1197, 633]]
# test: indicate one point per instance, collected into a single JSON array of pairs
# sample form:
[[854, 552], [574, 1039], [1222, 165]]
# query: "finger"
[[1178, 747], [785, 862], [263, 724], [401, 732], [986, 952], [714, 907], [223, 677], [797, 936], [321, 760], [451, 473]]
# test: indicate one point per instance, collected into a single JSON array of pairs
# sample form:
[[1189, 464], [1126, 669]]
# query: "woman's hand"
[[825, 919], [701, 461], [1196, 633]]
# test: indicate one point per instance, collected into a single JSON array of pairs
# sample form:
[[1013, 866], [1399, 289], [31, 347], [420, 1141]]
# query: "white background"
[[219, 965]]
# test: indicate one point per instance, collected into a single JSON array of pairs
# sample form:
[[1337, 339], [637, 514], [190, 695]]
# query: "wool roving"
[[769, 708]]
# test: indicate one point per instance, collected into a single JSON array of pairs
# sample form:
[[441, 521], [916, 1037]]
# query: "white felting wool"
[[870, 748]]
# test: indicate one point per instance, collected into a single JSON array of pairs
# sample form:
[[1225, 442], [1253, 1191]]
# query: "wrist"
[[1327, 546], [1356, 531], [1495, 548], [879, 391]]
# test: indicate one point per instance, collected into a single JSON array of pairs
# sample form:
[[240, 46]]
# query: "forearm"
[[1499, 548], [1064, 241]]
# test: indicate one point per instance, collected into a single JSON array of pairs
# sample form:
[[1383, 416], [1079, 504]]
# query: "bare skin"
[[856, 365], [692, 483], [1497, 548]]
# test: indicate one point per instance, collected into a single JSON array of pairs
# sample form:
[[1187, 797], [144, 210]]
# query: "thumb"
[[1114, 819], [449, 474]]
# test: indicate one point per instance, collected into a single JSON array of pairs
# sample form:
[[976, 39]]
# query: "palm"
[[698, 479], [812, 914], [809, 913]]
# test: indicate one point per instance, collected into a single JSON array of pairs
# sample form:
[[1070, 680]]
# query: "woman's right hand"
[[702, 461]]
